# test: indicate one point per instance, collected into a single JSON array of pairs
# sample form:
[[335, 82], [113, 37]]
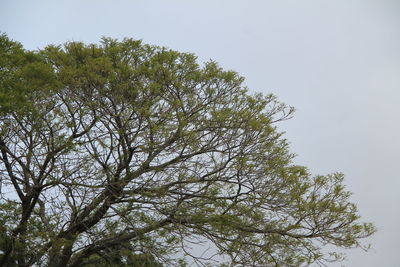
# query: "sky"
[[337, 62]]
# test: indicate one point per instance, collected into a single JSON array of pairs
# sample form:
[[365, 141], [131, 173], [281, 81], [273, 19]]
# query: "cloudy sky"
[[337, 62]]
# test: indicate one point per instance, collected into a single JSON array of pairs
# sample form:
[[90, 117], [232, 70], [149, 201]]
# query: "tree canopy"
[[129, 152]]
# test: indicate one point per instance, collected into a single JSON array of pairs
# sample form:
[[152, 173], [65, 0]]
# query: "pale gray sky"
[[337, 62]]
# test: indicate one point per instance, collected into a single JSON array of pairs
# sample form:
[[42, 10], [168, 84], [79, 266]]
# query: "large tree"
[[130, 149]]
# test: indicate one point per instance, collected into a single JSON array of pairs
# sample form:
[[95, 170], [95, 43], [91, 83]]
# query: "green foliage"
[[123, 258], [124, 154], [23, 75]]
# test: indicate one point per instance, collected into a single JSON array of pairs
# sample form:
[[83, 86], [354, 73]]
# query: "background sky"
[[337, 62]]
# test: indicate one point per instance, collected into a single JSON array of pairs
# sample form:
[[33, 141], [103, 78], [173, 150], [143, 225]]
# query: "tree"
[[118, 258], [127, 147]]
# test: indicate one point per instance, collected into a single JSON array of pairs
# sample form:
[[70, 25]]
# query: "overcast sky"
[[337, 62]]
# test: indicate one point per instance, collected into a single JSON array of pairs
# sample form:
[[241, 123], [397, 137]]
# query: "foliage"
[[121, 258], [123, 150]]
